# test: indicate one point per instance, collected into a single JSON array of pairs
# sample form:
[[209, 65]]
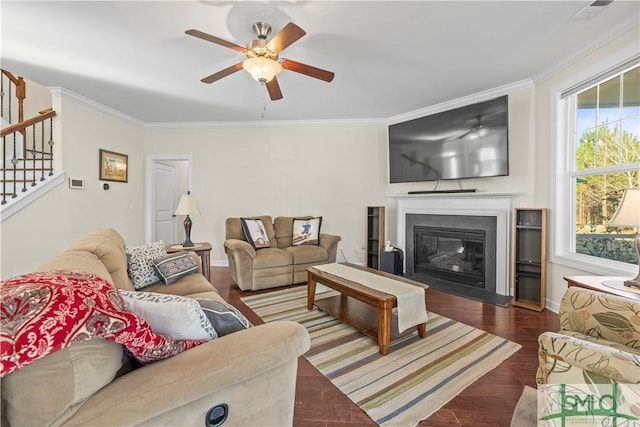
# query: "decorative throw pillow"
[[174, 266], [179, 317], [224, 317], [306, 231], [140, 265], [255, 233]]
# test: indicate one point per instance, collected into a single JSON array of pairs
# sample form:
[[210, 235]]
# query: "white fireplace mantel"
[[477, 204]]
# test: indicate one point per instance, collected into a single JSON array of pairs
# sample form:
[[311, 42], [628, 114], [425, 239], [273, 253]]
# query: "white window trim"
[[562, 216]]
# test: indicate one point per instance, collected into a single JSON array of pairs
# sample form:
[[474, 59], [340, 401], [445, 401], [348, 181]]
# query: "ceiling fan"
[[473, 129], [478, 130], [262, 60]]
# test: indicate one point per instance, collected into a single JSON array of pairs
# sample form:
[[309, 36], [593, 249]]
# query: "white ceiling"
[[389, 57]]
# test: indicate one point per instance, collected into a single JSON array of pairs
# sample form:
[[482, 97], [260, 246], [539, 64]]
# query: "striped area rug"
[[409, 384]]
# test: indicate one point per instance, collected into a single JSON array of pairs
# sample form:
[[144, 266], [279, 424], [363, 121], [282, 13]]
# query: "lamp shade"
[[628, 212], [262, 69], [188, 205]]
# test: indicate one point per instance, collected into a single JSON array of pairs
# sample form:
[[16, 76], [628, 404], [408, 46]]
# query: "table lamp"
[[187, 206], [628, 215]]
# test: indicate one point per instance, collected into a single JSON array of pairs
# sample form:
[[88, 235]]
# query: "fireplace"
[[462, 239], [449, 253], [455, 248]]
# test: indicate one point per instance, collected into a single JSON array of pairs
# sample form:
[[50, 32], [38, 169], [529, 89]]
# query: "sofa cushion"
[[272, 257], [108, 246], [50, 390], [191, 284], [81, 261], [306, 231], [283, 229], [224, 317], [179, 317], [140, 263], [255, 233], [174, 266], [306, 254]]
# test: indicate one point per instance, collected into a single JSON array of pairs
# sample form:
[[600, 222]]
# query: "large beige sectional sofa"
[[281, 264], [253, 371]]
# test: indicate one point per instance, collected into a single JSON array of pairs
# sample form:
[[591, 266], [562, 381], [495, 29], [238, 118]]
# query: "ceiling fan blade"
[[223, 73], [274, 89], [307, 70], [285, 38], [216, 40], [464, 134]]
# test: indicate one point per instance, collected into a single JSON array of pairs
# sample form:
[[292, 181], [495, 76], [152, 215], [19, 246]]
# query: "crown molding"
[[268, 123], [463, 101], [62, 92], [606, 37], [444, 106], [87, 102]]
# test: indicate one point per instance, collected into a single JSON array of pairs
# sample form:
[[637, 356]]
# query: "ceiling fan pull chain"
[[264, 104]]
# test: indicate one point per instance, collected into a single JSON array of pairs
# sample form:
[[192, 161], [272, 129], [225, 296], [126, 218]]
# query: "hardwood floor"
[[490, 401]]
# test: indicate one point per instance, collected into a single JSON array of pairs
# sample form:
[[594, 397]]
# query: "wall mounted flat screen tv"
[[467, 142]]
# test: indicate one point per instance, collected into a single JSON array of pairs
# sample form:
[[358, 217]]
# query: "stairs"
[[26, 152]]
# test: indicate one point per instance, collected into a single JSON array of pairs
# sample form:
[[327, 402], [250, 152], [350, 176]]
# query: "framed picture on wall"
[[113, 166]]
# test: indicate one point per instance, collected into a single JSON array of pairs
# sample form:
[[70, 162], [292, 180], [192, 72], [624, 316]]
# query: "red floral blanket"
[[41, 313]]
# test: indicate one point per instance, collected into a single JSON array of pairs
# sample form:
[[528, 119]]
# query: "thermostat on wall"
[[76, 183]]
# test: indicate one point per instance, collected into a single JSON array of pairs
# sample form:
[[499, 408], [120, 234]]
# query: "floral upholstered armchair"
[[598, 341]]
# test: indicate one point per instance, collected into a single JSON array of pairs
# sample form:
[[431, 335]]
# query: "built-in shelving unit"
[[530, 258], [375, 235]]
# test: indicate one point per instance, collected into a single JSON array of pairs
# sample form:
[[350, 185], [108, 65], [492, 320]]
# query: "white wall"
[[37, 99], [623, 47], [334, 172], [51, 223]]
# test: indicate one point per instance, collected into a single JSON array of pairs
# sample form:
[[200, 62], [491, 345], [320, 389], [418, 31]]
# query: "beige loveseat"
[[253, 371], [281, 264], [598, 341]]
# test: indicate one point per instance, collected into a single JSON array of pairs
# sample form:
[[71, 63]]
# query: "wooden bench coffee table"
[[349, 312]]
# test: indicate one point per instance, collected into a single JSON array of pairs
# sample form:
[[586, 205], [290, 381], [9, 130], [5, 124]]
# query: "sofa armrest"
[[202, 377], [197, 259], [600, 315], [570, 360], [239, 246], [330, 243], [240, 255]]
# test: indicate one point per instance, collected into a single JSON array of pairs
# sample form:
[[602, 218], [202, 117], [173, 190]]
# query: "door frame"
[[159, 158]]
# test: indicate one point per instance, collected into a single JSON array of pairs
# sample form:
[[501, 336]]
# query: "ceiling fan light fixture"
[[262, 69]]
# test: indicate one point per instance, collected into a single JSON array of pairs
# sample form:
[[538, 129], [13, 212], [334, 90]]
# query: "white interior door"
[[165, 194], [157, 192]]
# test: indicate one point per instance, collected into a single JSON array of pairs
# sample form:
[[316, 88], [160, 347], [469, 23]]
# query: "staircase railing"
[[35, 136], [26, 145], [17, 87]]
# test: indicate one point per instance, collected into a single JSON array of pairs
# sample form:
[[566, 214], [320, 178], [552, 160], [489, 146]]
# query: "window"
[[599, 149]]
